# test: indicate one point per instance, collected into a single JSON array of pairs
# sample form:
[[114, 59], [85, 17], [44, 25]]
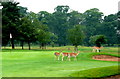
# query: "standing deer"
[[96, 49], [57, 55], [70, 55]]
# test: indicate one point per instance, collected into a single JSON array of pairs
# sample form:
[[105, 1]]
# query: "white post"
[[10, 40], [10, 35]]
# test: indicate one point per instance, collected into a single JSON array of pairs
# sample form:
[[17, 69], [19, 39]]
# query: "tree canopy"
[[76, 35], [98, 40]]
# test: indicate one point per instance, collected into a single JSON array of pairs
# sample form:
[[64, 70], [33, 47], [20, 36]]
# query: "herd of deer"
[[69, 55], [64, 54]]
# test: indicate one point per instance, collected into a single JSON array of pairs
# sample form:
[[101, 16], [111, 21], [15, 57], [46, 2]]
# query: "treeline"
[[46, 28]]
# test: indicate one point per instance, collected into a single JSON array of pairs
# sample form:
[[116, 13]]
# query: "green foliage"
[[76, 35], [41, 32], [22, 11], [26, 30], [10, 21], [109, 28], [92, 20], [75, 18], [118, 27], [58, 24], [98, 40], [62, 9]]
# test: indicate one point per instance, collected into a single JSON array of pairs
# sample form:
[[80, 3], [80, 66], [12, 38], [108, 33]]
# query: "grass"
[[41, 63], [97, 72]]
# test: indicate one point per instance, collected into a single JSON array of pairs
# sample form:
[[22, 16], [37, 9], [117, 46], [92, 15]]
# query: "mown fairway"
[[41, 63]]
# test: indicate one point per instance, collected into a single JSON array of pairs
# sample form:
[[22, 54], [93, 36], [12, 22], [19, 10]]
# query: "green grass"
[[41, 63], [97, 72]]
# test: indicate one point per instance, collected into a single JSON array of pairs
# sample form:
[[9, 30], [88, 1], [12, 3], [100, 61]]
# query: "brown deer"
[[96, 49], [69, 55], [57, 55]]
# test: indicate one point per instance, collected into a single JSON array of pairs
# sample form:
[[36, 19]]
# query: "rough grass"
[[41, 63]]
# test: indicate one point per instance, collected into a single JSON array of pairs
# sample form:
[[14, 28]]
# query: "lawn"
[[41, 63]]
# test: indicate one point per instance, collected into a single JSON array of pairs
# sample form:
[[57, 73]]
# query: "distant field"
[[41, 63]]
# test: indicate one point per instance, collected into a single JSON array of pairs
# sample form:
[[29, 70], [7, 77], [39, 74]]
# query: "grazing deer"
[[70, 55], [57, 55], [96, 49]]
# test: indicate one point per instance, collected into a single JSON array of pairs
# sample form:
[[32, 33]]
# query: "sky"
[[105, 6]]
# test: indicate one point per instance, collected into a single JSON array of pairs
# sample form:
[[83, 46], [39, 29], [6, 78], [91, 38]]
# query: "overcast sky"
[[105, 6]]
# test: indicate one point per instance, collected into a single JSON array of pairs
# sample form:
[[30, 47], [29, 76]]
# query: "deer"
[[57, 55], [69, 55], [96, 49]]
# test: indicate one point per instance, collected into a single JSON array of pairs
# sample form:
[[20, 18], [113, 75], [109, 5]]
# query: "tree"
[[76, 35], [0, 28], [53, 39], [42, 33], [108, 28], [59, 23], [10, 21], [27, 31], [92, 20], [98, 40], [118, 28], [23, 14]]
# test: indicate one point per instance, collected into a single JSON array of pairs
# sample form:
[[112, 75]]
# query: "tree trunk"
[[59, 45], [29, 44], [12, 43], [76, 49], [64, 44], [42, 45], [22, 44]]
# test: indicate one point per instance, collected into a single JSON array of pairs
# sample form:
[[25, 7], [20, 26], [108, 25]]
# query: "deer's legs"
[[55, 57], [58, 57], [75, 58], [94, 50], [69, 57], [98, 50], [62, 58]]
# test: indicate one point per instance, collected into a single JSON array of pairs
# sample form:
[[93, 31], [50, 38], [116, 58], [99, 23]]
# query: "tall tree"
[[23, 13], [108, 28], [10, 21], [118, 28], [93, 19], [60, 23], [42, 33], [76, 35], [27, 30]]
